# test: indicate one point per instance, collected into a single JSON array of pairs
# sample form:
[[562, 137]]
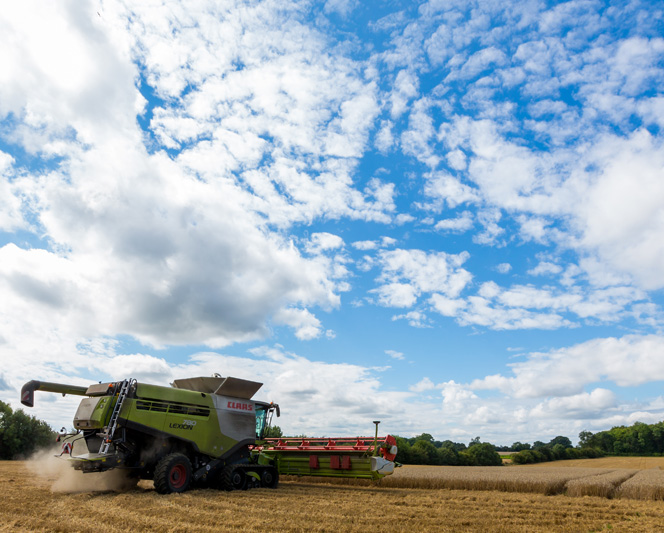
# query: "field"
[[38, 497]]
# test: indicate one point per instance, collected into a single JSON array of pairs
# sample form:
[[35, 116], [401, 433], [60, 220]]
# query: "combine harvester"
[[202, 432]]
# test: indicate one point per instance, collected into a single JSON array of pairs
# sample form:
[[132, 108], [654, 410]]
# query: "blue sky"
[[445, 215]]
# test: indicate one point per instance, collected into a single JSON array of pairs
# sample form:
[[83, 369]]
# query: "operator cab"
[[264, 412]]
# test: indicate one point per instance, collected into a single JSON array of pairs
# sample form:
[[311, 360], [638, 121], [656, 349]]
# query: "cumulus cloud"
[[425, 272], [584, 405], [175, 250], [528, 307], [396, 294], [192, 176], [11, 217], [462, 223], [627, 361], [632, 245], [416, 319], [556, 392], [395, 355], [545, 268], [305, 324], [351, 395], [320, 242], [446, 189], [424, 384]]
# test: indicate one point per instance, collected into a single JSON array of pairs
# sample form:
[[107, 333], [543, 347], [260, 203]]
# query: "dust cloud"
[[64, 478]]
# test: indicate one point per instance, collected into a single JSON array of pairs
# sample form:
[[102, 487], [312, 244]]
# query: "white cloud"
[[385, 137], [415, 141], [457, 160], [11, 217], [180, 249], [58, 86], [351, 394], [492, 230], [403, 218], [434, 272], [462, 223], [627, 188], [456, 397], [142, 367], [365, 245], [479, 62], [480, 311], [396, 294], [545, 268], [416, 319], [447, 306], [320, 242], [342, 7], [445, 189], [424, 384], [584, 405], [405, 88], [188, 263], [395, 355], [263, 119], [534, 229], [305, 324], [627, 361], [527, 307]]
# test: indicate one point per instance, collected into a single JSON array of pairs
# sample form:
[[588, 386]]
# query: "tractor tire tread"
[[161, 473]]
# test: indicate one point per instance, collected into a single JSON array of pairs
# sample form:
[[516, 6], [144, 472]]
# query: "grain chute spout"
[[28, 390]]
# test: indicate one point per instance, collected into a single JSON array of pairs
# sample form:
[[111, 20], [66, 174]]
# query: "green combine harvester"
[[202, 432]]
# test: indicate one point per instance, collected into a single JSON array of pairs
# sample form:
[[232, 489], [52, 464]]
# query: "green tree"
[[424, 436], [447, 455], [484, 454], [558, 450], [585, 439], [426, 452], [546, 452], [563, 441], [523, 457], [404, 455], [644, 438], [272, 432], [604, 440], [21, 434], [458, 446], [465, 459]]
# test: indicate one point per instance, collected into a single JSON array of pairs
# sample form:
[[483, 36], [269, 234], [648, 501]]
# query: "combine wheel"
[[270, 478], [173, 474], [234, 478]]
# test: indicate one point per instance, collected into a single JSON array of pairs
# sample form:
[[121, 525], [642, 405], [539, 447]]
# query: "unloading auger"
[[202, 432]]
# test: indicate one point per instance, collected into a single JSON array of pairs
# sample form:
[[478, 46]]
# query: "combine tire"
[[172, 474], [234, 478], [270, 478]]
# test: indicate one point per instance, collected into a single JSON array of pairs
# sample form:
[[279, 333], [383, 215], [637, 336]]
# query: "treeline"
[[637, 439], [556, 449], [21, 434], [424, 450]]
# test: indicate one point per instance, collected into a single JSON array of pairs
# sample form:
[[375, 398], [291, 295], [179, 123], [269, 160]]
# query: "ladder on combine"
[[107, 437]]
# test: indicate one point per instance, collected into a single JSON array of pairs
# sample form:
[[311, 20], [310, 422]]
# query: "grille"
[[176, 408]]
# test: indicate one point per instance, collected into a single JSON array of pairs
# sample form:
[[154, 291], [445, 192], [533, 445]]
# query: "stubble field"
[[39, 497]]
